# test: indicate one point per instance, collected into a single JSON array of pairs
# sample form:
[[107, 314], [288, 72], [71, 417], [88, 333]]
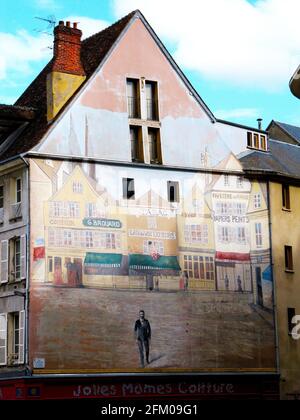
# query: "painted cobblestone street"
[[204, 330]]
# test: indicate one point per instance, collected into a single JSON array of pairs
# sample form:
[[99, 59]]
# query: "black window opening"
[[128, 189], [137, 153], [173, 192], [133, 98], [286, 199], [154, 145], [289, 264], [152, 101]]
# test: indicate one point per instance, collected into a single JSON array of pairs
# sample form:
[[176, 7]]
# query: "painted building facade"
[[139, 202]]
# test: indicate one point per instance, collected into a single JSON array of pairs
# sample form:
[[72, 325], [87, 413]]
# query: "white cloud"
[[18, 52], [88, 25], [228, 40], [225, 114], [46, 4]]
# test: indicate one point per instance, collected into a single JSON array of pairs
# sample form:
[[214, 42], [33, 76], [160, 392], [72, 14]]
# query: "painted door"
[[58, 279]]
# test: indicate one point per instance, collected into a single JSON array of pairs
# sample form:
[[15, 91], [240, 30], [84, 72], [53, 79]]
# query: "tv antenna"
[[51, 20]]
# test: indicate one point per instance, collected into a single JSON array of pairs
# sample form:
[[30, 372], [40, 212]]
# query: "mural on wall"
[[175, 277]]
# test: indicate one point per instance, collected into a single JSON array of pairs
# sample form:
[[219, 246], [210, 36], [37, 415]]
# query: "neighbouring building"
[[134, 197], [282, 169]]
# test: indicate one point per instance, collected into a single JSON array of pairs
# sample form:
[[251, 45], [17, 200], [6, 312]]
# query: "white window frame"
[[18, 191], [4, 261], [3, 332], [258, 235]]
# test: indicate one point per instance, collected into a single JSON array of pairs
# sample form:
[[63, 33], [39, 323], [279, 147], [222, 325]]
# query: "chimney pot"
[[259, 120], [75, 25], [68, 24], [61, 23]]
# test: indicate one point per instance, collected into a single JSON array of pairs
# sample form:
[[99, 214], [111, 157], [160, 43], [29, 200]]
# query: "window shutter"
[[21, 336], [4, 262], [23, 257], [3, 339]]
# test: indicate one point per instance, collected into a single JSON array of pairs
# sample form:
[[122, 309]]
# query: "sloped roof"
[[283, 158], [292, 130], [93, 52]]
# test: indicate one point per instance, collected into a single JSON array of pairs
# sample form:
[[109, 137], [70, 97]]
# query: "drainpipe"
[[28, 371], [274, 282]]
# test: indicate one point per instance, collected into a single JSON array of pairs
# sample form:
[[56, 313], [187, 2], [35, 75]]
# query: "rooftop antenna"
[[51, 20]]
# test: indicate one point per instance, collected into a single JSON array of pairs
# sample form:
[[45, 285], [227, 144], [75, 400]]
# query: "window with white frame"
[[258, 234], [153, 246], [77, 187], [257, 141], [196, 234], [257, 201], [226, 180], [75, 238], [65, 209], [18, 190], [3, 339]]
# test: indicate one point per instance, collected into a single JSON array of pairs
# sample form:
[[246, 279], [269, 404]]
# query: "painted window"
[[257, 201], [65, 209], [289, 264], [152, 223], [151, 247], [3, 339], [196, 234], [90, 239], [226, 180], [241, 235], [198, 206], [239, 182], [199, 267], [258, 234], [77, 187]]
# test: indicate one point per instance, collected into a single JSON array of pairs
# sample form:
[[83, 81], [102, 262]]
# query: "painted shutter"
[[21, 336], [23, 258], [3, 339], [4, 262]]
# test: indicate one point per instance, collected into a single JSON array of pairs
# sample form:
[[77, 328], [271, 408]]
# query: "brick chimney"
[[67, 46], [67, 73]]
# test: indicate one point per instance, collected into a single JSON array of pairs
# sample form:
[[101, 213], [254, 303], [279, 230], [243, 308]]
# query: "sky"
[[238, 54]]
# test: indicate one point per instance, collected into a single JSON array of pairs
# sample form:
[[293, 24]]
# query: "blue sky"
[[239, 59]]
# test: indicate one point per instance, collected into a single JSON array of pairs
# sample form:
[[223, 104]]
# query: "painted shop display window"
[[257, 141], [173, 192], [227, 234], [199, 267], [286, 199], [289, 264], [133, 98], [128, 189], [75, 238], [291, 314]]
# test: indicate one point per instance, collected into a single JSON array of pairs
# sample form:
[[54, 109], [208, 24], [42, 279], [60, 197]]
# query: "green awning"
[[103, 260], [146, 262]]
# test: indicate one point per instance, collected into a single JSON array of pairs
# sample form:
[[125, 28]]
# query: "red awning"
[[232, 256]]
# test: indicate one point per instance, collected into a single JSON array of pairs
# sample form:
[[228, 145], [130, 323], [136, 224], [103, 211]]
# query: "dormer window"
[[257, 141]]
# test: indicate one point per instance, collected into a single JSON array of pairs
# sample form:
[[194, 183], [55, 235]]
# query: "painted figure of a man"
[[142, 332]]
